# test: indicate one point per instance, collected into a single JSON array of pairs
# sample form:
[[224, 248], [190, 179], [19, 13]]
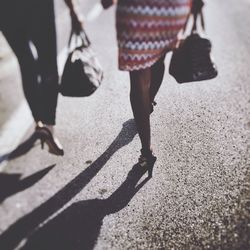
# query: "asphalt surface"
[[95, 196]]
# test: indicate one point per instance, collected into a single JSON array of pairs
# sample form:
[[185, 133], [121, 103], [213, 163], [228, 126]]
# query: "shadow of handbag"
[[82, 73], [191, 59]]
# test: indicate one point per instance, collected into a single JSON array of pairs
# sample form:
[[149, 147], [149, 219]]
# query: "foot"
[[45, 134], [50, 128], [147, 160]]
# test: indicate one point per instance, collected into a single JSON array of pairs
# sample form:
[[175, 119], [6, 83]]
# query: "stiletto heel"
[[42, 143], [150, 171]]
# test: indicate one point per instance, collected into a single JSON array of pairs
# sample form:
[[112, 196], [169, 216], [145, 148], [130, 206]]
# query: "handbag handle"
[[196, 12], [195, 17], [85, 42]]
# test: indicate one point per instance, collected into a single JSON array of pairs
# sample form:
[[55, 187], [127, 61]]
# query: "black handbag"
[[191, 59], [82, 73]]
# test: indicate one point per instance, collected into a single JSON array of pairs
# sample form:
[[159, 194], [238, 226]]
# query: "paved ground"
[[94, 197]]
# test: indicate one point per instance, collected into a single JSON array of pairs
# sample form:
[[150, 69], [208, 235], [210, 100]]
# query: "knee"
[[140, 80], [26, 59], [50, 79]]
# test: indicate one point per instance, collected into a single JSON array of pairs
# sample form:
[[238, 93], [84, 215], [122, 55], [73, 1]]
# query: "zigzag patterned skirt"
[[147, 29]]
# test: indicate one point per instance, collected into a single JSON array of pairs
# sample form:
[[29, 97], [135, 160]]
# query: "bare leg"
[[157, 73], [140, 102]]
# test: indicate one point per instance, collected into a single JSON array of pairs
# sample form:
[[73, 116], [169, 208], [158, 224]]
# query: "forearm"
[[75, 17], [70, 4]]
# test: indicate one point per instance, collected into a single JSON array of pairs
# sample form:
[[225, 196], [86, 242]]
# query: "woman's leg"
[[43, 35], [19, 41], [157, 74], [140, 102]]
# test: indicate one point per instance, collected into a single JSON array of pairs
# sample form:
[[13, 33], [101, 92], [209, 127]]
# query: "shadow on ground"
[[21, 149], [84, 217], [12, 183], [78, 226]]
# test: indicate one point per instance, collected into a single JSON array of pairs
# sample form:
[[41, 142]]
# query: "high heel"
[[42, 144], [47, 138], [147, 160]]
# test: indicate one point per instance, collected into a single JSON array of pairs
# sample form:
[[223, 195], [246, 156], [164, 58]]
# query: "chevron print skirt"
[[147, 29]]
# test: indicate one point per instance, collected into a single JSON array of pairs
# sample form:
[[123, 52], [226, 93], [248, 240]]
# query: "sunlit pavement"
[[93, 197]]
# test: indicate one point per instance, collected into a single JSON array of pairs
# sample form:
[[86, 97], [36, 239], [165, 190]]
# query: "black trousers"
[[27, 24]]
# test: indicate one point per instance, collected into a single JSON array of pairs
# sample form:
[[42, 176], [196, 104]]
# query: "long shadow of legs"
[[4, 157], [21, 149], [11, 183], [78, 226], [26, 225]]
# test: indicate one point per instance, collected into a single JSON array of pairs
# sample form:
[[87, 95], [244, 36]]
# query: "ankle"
[[50, 128], [146, 151]]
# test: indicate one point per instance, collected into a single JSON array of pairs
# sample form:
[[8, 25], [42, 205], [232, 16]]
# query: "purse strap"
[[195, 18], [85, 42], [195, 14]]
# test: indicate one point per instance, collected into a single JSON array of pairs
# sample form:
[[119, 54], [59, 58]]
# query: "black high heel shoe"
[[47, 138], [147, 160]]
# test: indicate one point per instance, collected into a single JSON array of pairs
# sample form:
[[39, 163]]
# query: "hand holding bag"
[[191, 60], [82, 73]]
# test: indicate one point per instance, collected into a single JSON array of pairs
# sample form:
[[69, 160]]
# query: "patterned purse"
[[191, 60]]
